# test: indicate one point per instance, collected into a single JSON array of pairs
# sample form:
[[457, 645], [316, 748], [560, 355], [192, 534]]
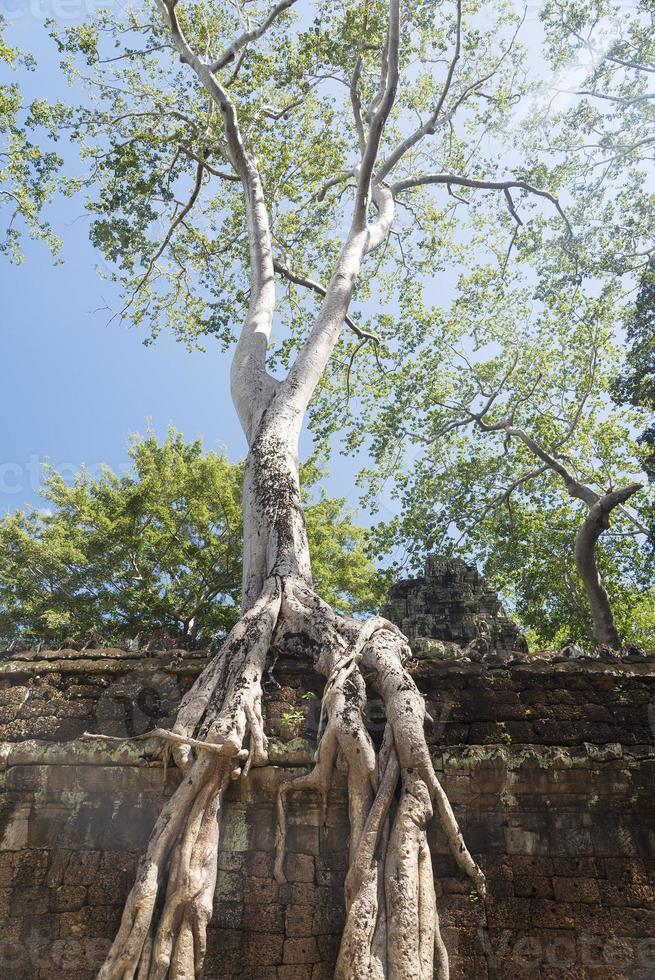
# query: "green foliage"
[[148, 123], [528, 555], [463, 299], [482, 494], [27, 171], [594, 130], [160, 547], [636, 384]]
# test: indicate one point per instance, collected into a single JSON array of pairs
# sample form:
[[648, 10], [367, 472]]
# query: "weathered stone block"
[[299, 867], [576, 890]]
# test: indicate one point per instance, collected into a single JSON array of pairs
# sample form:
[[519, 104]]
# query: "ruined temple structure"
[[450, 608]]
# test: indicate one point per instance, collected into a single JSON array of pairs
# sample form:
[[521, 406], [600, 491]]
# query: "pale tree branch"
[[208, 167], [631, 100], [437, 116], [427, 128], [320, 290], [272, 113], [334, 181], [308, 367], [248, 36], [574, 487], [356, 103], [384, 74], [597, 521], [629, 64], [252, 386], [380, 116]]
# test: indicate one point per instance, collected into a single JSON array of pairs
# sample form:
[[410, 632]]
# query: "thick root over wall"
[[392, 926]]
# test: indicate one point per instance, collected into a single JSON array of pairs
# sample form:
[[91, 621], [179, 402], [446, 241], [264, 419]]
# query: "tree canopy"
[[367, 157], [115, 555]]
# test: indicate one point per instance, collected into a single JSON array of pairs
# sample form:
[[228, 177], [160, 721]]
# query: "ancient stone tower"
[[452, 605]]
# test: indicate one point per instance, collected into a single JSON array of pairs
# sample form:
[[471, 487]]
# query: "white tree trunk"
[[391, 927]]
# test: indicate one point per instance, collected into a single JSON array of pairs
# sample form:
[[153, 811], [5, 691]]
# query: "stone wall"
[[549, 765]]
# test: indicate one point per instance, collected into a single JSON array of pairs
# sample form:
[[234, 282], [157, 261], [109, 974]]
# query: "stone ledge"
[[180, 662], [299, 753], [103, 665]]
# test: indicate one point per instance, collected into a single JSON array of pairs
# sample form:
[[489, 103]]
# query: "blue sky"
[[74, 385]]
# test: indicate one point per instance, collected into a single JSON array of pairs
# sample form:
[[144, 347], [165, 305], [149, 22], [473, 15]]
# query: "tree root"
[[391, 928], [163, 928]]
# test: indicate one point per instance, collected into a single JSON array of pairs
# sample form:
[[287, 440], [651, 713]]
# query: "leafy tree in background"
[[116, 555], [523, 462], [594, 130]]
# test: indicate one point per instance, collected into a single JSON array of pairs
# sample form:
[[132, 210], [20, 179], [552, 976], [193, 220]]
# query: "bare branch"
[[169, 234], [350, 366], [308, 367], [503, 498], [379, 117], [208, 167], [334, 182], [436, 118], [647, 96], [356, 103], [429, 126], [629, 64], [492, 185], [252, 386]]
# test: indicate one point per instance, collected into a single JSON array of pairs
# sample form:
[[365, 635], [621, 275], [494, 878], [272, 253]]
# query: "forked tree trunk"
[[597, 521], [391, 928]]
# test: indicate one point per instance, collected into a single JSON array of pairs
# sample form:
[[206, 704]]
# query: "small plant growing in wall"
[[291, 721], [503, 734]]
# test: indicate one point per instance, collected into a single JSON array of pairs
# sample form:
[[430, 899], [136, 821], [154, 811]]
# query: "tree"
[[233, 97], [599, 128], [114, 556], [599, 506], [513, 425]]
